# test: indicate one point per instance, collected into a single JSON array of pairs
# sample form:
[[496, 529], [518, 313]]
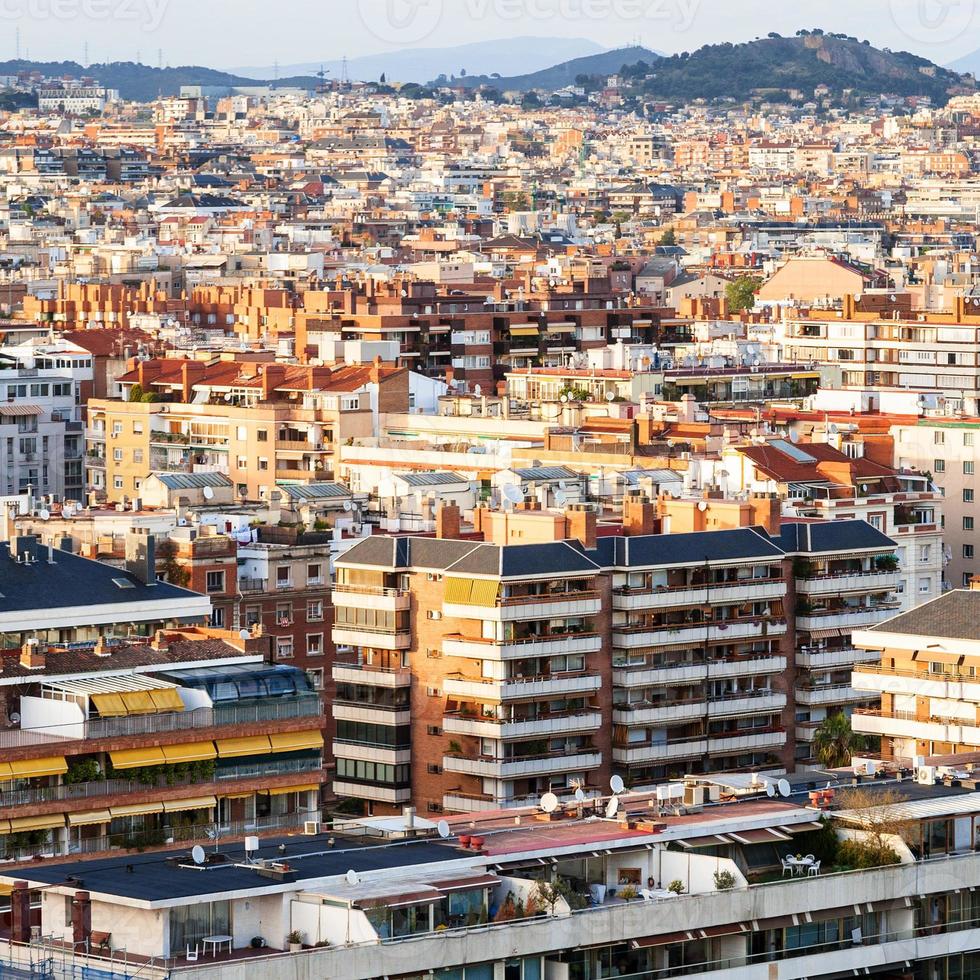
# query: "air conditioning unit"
[[694, 795], [311, 827], [926, 775]]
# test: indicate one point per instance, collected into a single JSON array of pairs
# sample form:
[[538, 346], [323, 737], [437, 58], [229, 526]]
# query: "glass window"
[[189, 924]]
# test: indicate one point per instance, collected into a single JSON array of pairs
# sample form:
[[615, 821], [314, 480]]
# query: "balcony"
[[519, 608], [642, 714], [238, 713], [870, 581], [831, 694], [362, 752], [759, 703], [696, 634], [354, 673], [481, 727], [370, 597], [366, 636], [816, 659], [746, 742], [655, 676], [527, 688], [371, 791], [884, 680], [900, 724], [302, 475], [669, 597], [476, 649], [522, 767], [374, 714], [663, 752], [853, 619]]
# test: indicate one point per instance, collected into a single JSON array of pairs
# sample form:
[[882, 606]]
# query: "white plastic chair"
[[810, 857], [192, 954], [814, 868], [787, 867]]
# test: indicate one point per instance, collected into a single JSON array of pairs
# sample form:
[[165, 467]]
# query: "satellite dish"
[[549, 803], [477, 390], [352, 877], [610, 396], [580, 795], [702, 505], [794, 436], [770, 790], [45, 514], [616, 784], [348, 506], [197, 854], [784, 789], [443, 828], [612, 807], [561, 498], [870, 768], [208, 493], [512, 493]]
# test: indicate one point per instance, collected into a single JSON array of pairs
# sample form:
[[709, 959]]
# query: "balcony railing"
[[238, 713]]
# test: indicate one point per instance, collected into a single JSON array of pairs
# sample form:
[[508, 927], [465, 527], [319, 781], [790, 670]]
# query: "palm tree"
[[834, 742]]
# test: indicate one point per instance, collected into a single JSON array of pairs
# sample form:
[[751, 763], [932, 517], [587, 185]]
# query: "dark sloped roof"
[[955, 615], [192, 481], [740, 544], [433, 479], [832, 537]]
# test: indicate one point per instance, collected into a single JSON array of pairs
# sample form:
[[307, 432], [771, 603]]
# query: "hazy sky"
[[242, 32]]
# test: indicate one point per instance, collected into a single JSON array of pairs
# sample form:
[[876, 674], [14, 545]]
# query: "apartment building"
[[41, 428], [260, 424], [819, 481], [475, 674], [924, 669], [944, 447]]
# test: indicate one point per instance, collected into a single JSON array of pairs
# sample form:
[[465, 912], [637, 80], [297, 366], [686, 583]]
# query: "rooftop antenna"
[[85, 55], [17, 43], [160, 59], [344, 79]]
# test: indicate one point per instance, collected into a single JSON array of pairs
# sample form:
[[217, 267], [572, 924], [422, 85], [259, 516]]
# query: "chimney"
[[447, 521], [766, 511], [582, 524], [480, 514], [31, 655], [159, 641], [102, 647], [20, 913], [81, 920], [639, 515], [376, 369], [141, 558]]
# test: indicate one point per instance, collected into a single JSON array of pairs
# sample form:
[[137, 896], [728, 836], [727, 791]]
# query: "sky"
[[225, 33]]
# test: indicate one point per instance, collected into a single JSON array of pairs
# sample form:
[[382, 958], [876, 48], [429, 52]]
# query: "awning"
[[247, 745], [560, 328], [826, 634], [54, 765], [11, 411], [110, 705], [49, 822], [4, 826], [283, 790], [87, 819], [730, 930], [777, 922], [424, 896], [524, 332], [6, 890], [132, 758], [763, 836], [189, 752], [136, 809], [166, 699], [712, 840], [138, 702], [663, 940], [802, 828], [466, 884], [236, 796], [471, 591], [198, 803], [296, 741]]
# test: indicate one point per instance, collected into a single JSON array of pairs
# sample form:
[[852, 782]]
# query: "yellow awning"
[[88, 819], [166, 699], [136, 809], [198, 803], [283, 790], [296, 741], [524, 332], [236, 796], [5, 772], [4, 826], [54, 765], [189, 752], [131, 758], [49, 822], [109, 705], [138, 702], [6, 890], [560, 328], [471, 591], [248, 745]]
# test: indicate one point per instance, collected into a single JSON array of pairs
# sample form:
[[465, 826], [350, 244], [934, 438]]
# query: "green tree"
[[834, 741], [669, 237], [741, 293], [136, 393]]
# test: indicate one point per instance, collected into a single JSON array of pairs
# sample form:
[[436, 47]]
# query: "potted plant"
[[676, 886], [295, 941], [628, 893], [724, 881]]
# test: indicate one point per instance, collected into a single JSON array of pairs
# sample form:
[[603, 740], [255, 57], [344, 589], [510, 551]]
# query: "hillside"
[[141, 83], [740, 70], [519, 54], [558, 76]]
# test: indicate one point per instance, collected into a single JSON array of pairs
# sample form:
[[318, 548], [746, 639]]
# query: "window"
[[314, 575], [433, 730], [242, 433], [242, 463], [968, 551], [262, 435], [263, 463], [967, 523], [117, 455], [284, 614], [968, 467], [925, 585], [433, 769], [967, 438], [218, 618], [137, 428], [283, 577], [314, 644], [253, 615], [284, 647], [137, 455], [939, 466], [117, 482], [875, 520], [968, 495], [939, 437], [315, 674], [314, 610], [216, 582]]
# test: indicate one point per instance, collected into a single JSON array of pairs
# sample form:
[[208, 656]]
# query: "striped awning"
[[89, 819], [297, 741], [136, 809], [53, 765], [12, 411], [472, 591], [197, 803]]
